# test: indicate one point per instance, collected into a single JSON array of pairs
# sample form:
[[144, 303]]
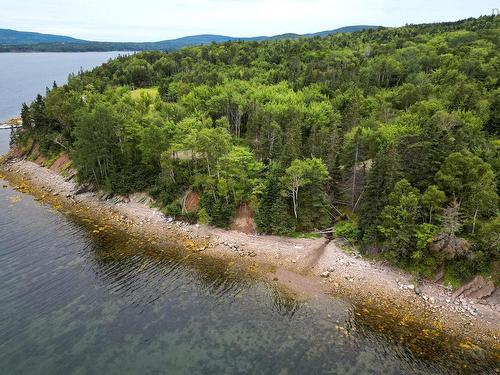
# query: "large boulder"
[[477, 288], [493, 300], [449, 246], [141, 198]]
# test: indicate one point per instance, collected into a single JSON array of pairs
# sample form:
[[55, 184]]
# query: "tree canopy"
[[395, 129]]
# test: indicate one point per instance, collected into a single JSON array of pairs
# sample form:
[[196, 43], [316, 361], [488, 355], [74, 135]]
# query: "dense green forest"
[[389, 135]]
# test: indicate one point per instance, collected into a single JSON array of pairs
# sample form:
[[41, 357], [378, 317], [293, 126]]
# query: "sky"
[[153, 20]]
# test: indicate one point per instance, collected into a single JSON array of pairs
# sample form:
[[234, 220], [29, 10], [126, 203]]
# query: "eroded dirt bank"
[[383, 297]]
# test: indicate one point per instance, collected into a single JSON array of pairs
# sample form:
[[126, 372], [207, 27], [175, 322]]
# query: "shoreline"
[[306, 267], [12, 123]]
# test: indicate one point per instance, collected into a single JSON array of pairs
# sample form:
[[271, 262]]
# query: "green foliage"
[[310, 176], [471, 181], [488, 239], [381, 179], [219, 211], [138, 72], [203, 217], [173, 209], [238, 175], [464, 269], [347, 230], [424, 234], [398, 221], [273, 214], [96, 148], [432, 200], [398, 126], [152, 92]]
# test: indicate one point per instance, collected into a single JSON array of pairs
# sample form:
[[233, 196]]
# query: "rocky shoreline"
[[11, 123], [304, 266]]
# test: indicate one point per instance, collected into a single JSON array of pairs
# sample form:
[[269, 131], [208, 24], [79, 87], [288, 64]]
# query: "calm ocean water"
[[24, 75], [78, 302]]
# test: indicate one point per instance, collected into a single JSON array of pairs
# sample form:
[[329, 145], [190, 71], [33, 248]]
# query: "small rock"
[[418, 291], [325, 274], [410, 286]]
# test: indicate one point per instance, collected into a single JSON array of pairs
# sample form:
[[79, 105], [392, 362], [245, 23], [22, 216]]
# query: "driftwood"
[[323, 231]]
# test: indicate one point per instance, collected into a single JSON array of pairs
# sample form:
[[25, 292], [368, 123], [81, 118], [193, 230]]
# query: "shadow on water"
[[77, 299], [143, 265]]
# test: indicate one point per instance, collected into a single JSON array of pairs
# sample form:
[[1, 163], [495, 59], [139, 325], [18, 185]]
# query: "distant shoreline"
[[23, 41], [12, 123], [35, 51]]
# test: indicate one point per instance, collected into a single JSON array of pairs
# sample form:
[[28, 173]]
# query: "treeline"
[[20, 41], [69, 47], [391, 135]]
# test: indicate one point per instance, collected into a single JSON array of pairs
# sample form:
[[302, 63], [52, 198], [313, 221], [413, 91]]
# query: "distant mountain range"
[[23, 41]]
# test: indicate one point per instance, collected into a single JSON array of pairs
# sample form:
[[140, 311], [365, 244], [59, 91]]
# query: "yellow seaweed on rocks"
[[468, 346], [195, 246]]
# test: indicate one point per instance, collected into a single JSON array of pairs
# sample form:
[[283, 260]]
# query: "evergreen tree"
[[399, 219], [381, 180]]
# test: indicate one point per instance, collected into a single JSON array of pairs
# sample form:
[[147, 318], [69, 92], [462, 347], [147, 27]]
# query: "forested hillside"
[[22, 41], [14, 37], [391, 136]]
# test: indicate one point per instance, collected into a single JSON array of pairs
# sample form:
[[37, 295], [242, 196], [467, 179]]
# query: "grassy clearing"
[[151, 91]]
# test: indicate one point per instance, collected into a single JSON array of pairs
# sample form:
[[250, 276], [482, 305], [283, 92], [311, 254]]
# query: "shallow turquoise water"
[[75, 302]]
